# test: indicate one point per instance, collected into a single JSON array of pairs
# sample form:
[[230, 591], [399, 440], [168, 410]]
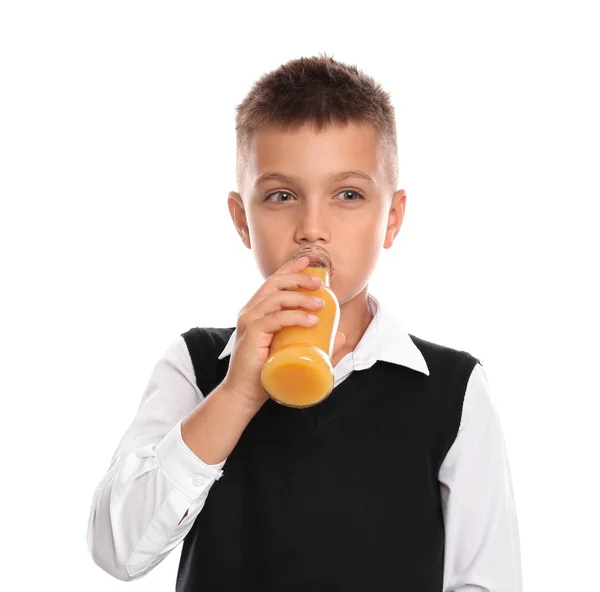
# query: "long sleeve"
[[482, 539], [153, 477]]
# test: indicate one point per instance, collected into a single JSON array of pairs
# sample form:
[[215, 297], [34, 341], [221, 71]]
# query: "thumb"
[[340, 339]]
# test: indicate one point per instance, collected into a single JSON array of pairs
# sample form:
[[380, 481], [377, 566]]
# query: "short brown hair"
[[321, 91]]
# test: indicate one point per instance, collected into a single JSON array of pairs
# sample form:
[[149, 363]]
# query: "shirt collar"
[[385, 339]]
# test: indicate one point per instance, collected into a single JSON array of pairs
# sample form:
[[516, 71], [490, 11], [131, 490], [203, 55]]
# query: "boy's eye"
[[278, 193], [358, 195], [285, 193]]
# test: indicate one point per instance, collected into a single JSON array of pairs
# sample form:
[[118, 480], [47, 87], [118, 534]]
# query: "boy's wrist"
[[239, 399], [212, 429]]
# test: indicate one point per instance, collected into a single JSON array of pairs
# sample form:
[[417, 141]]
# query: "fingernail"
[[313, 318]]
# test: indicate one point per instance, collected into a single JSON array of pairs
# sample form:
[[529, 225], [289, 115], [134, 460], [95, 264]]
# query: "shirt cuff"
[[182, 467]]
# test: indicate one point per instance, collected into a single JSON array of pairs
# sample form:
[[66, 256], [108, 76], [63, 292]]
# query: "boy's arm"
[[482, 537], [154, 477]]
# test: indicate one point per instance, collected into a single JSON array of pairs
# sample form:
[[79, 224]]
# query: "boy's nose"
[[312, 226]]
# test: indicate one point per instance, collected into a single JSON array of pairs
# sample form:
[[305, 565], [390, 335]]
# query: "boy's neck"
[[354, 319]]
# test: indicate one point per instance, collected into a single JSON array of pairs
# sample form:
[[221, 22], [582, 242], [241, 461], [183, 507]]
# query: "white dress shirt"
[[154, 478]]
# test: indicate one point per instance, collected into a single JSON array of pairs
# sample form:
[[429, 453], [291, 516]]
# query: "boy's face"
[[352, 218]]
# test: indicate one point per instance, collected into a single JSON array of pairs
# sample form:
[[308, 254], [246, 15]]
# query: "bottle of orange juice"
[[299, 372]]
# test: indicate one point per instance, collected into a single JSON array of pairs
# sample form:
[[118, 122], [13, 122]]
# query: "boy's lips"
[[316, 254]]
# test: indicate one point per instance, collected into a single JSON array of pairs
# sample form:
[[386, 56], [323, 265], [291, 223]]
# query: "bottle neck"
[[320, 272]]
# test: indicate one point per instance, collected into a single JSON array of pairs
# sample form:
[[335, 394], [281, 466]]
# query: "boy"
[[399, 479]]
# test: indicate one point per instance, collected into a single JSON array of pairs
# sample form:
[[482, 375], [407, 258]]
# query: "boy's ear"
[[238, 215], [395, 218]]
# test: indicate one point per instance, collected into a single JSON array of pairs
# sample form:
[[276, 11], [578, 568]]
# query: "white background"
[[116, 156]]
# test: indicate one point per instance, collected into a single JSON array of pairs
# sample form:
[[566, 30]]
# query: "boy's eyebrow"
[[336, 178]]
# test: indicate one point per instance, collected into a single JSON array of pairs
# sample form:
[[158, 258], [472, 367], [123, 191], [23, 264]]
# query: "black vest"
[[342, 496]]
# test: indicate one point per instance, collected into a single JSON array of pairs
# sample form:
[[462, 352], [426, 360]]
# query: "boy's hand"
[[275, 305]]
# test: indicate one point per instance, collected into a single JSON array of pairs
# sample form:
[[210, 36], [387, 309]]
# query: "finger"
[[282, 301], [287, 281], [271, 323], [293, 265], [340, 340]]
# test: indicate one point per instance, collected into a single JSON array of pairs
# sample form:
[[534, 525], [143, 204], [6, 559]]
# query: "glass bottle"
[[299, 372]]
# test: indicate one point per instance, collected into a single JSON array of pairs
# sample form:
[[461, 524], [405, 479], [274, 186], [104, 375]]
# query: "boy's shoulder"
[[205, 344], [210, 333], [205, 341], [433, 348], [438, 355]]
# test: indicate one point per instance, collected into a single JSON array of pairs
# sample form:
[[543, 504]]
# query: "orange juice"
[[299, 372]]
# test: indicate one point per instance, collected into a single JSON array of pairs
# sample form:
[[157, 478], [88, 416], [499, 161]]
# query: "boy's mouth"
[[318, 257]]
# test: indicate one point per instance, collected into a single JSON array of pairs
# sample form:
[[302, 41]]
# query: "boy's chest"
[[339, 490], [364, 434]]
